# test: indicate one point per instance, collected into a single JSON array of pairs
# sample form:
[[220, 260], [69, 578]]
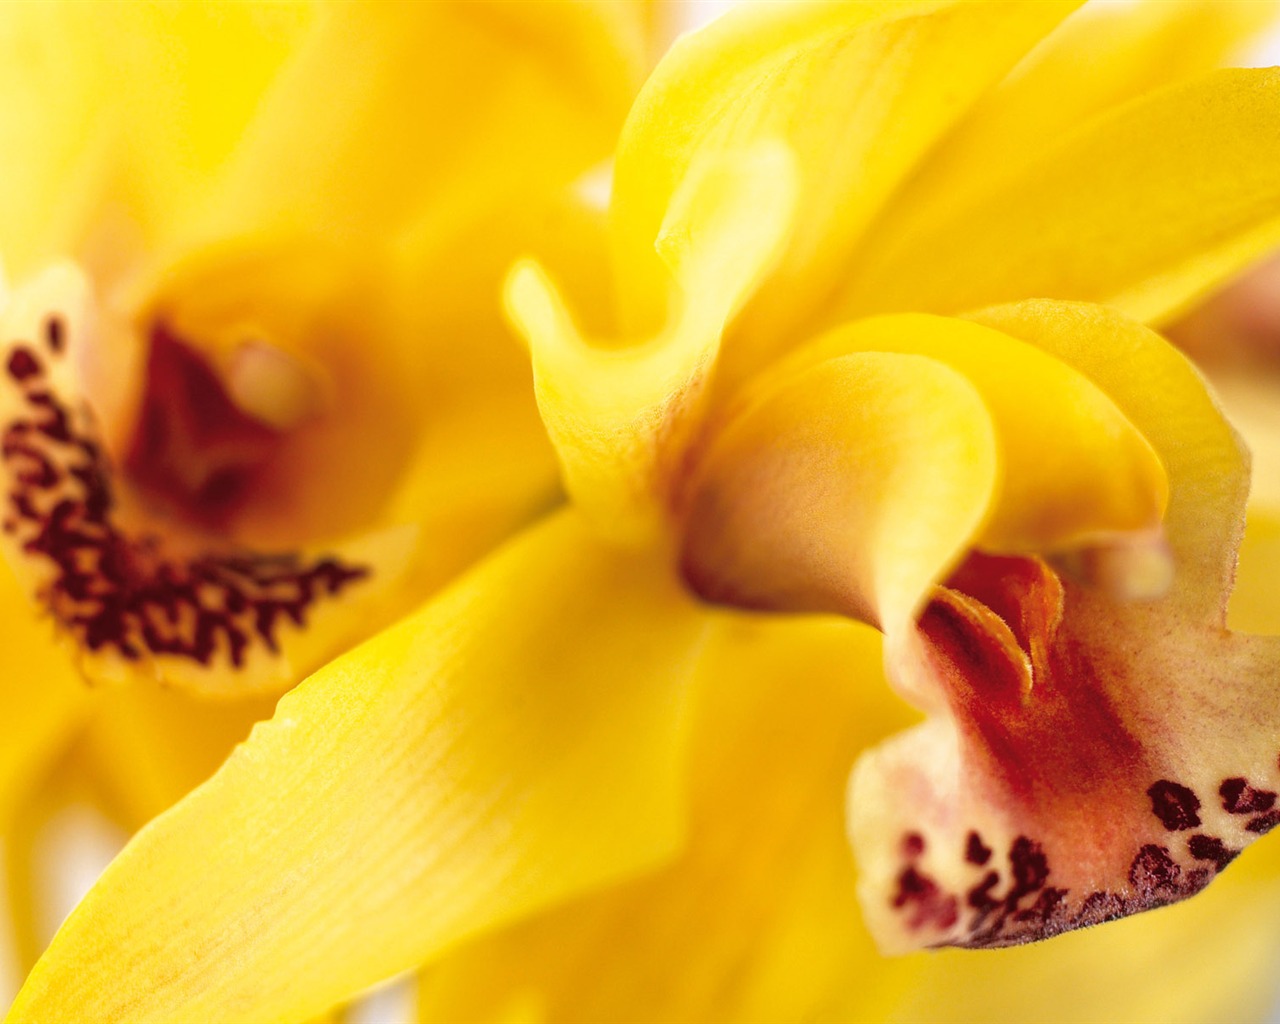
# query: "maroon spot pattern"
[[1028, 908], [1175, 805], [924, 902], [55, 334], [974, 850], [1238, 797], [1211, 848], [124, 593]]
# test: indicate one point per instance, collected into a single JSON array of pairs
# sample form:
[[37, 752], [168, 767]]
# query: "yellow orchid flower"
[[258, 398], [601, 775]]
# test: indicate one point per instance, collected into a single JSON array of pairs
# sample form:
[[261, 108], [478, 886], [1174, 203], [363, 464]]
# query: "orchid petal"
[[757, 919], [1098, 59], [516, 742], [41, 699], [145, 748], [1253, 607], [1143, 209], [826, 79], [1249, 397], [855, 479], [848, 488], [1142, 759], [620, 416], [1184, 980]]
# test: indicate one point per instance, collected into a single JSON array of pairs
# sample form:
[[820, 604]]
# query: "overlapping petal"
[[761, 73], [1100, 58], [620, 416], [1142, 758], [873, 460], [757, 917], [1143, 209], [513, 744]]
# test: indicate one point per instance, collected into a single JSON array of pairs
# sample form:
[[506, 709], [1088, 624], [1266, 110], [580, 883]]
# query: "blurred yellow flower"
[[591, 779], [258, 397]]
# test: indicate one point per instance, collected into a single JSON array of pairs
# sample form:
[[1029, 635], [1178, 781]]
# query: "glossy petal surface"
[[515, 743], [757, 918], [857, 91], [1144, 209], [620, 416]]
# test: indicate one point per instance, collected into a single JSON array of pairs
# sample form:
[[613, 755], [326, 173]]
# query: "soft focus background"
[[78, 843]]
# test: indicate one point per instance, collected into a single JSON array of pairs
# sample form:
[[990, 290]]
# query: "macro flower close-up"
[[597, 533]]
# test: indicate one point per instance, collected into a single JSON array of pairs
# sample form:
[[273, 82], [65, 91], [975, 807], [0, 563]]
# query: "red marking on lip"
[[55, 334], [1210, 848], [1238, 797], [194, 451], [1175, 805], [22, 364], [125, 593], [974, 850]]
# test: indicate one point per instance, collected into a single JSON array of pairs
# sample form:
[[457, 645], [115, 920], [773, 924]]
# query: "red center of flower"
[[194, 454], [130, 593]]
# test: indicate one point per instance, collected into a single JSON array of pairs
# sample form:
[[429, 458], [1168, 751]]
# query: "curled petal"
[[856, 480], [620, 417], [1143, 758], [857, 91], [848, 488]]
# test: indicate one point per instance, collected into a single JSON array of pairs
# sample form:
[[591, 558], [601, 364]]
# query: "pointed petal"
[[757, 919], [1144, 210], [1099, 58], [620, 416], [516, 742], [827, 79], [1145, 755]]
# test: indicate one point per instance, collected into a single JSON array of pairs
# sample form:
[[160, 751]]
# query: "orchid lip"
[[127, 581]]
